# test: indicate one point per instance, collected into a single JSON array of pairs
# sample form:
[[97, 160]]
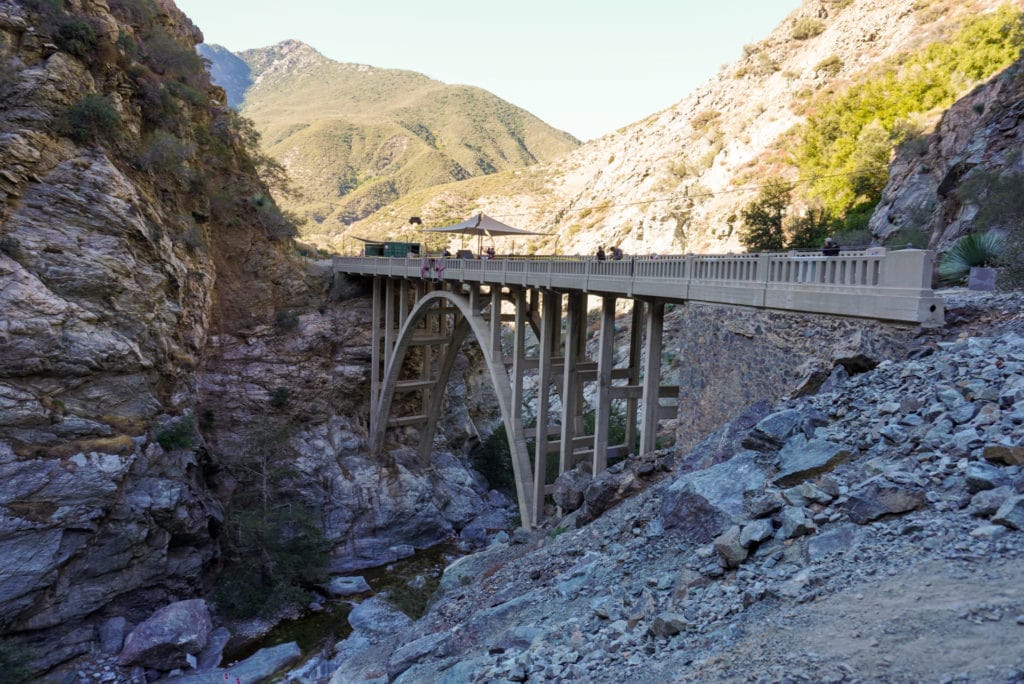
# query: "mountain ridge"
[[356, 137], [677, 180]]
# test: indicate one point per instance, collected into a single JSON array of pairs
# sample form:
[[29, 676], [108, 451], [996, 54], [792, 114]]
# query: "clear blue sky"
[[585, 66]]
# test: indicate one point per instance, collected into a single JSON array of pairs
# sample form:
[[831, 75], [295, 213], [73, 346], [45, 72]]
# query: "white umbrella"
[[481, 225]]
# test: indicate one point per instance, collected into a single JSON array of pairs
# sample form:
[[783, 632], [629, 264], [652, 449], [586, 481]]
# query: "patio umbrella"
[[480, 225]]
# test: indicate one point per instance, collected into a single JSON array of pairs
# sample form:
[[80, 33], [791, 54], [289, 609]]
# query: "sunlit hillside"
[[355, 138]]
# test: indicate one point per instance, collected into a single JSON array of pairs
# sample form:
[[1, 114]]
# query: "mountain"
[[355, 137], [821, 103]]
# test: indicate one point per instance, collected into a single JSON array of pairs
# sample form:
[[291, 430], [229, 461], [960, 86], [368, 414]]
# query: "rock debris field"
[[870, 532]]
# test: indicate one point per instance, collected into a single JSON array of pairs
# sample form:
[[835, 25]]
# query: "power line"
[[675, 197]]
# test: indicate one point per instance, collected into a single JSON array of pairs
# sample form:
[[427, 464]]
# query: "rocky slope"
[[870, 532], [355, 137], [676, 181]]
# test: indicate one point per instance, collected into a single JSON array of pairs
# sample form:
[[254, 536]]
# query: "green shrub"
[[168, 57], [807, 27], [279, 397], [11, 246], [910, 236], [166, 156], [830, 65], [291, 552], [286, 320], [76, 36], [847, 139], [179, 434], [91, 120], [973, 249], [810, 230]]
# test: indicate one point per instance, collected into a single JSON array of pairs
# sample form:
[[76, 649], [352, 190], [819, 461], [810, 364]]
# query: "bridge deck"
[[875, 283]]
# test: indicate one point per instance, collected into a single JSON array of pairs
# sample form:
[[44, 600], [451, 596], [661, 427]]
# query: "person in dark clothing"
[[600, 253], [831, 247], [616, 253]]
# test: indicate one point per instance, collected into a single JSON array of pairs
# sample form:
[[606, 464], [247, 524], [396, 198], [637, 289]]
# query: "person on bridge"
[[600, 253], [831, 247], [616, 253]]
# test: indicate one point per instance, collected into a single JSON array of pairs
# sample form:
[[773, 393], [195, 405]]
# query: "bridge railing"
[[872, 283]]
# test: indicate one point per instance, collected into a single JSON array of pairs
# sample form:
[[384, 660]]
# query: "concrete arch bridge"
[[424, 309]]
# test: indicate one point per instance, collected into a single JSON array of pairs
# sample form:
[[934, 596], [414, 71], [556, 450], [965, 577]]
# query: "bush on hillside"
[[91, 120], [76, 36], [831, 144], [807, 27]]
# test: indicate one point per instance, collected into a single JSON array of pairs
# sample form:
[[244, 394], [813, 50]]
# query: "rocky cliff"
[[966, 174], [155, 311]]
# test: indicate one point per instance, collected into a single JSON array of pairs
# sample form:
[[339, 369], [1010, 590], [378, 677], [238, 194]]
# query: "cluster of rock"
[[910, 473]]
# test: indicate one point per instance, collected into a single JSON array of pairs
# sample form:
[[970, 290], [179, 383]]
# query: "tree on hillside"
[[762, 218], [810, 230]]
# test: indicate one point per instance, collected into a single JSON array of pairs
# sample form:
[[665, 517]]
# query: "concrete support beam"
[[605, 360], [495, 320], [549, 330], [633, 378], [375, 350], [389, 315], [575, 326], [652, 375]]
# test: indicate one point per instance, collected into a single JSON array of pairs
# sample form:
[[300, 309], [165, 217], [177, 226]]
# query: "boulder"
[[1011, 513], [169, 636], [801, 459], [377, 617], [755, 532], [986, 502], [112, 633], [981, 476], [880, 498], [838, 539], [773, 430], [570, 487], [704, 503], [669, 624], [438, 644], [259, 667], [1007, 455], [793, 522], [730, 550]]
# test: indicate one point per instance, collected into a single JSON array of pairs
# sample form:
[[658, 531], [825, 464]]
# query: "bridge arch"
[[468, 318]]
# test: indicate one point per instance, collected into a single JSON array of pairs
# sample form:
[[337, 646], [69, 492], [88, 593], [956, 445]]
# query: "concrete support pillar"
[[495, 322], [375, 350], [652, 375], [389, 316], [549, 330], [605, 361], [519, 360], [575, 325], [636, 329], [403, 301]]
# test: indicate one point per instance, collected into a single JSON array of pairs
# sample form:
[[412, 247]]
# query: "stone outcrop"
[[963, 176]]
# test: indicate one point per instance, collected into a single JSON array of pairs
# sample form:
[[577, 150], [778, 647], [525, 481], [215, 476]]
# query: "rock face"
[[728, 358], [966, 173], [157, 322]]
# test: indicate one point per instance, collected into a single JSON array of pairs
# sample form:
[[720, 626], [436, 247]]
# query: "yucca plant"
[[973, 249]]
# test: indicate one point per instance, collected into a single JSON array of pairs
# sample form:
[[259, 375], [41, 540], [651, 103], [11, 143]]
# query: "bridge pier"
[[410, 315]]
